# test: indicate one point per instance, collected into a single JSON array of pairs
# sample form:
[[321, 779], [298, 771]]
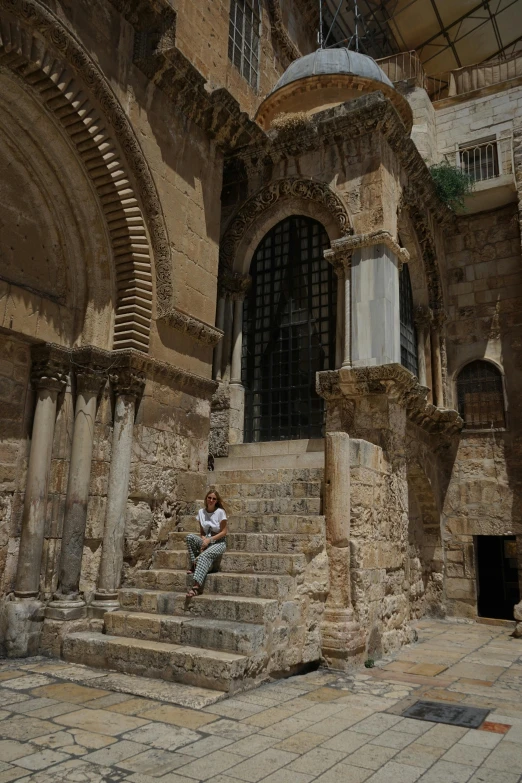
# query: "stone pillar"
[[128, 386], [67, 603], [24, 615], [237, 339], [423, 318], [436, 363], [342, 638], [339, 324], [218, 350], [347, 316]]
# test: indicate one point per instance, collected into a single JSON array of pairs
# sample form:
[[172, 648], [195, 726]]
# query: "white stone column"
[[347, 318], [128, 386], [67, 603], [217, 368], [339, 324], [49, 375], [237, 339], [436, 363], [423, 318]]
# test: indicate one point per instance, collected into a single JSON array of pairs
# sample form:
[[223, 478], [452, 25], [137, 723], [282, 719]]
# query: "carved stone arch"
[[37, 48], [426, 242], [271, 204]]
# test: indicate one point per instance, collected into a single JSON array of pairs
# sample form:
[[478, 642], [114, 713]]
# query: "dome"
[[331, 62], [327, 78]]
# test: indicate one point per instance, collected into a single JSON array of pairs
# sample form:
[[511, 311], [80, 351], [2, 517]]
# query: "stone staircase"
[[259, 615]]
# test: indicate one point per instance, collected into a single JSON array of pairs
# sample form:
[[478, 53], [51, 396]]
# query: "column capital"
[[439, 317], [127, 381], [423, 316], [50, 367], [234, 285], [343, 248]]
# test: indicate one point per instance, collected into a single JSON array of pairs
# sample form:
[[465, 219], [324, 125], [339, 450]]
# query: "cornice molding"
[[341, 250], [288, 49], [198, 330]]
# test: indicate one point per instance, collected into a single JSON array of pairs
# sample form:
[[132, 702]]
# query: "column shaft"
[[339, 324], [114, 533], [436, 367], [347, 355], [237, 342], [77, 494], [33, 518], [421, 355], [218, 350]]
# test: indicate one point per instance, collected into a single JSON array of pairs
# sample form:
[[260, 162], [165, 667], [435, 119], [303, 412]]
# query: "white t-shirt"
[[211, 521]]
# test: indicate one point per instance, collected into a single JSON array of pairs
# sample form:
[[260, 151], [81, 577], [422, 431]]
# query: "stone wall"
[[485, 310]]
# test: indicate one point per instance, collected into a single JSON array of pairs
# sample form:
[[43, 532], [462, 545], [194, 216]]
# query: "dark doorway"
[[289, 332], [497, 576]]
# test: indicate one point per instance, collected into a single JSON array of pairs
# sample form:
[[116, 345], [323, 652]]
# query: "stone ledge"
[[345, 246], [198, 330]]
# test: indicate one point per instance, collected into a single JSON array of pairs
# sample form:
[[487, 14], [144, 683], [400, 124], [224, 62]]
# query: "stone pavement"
[[63, 723]]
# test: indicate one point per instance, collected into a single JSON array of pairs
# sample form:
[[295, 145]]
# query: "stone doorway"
[[497, 576]]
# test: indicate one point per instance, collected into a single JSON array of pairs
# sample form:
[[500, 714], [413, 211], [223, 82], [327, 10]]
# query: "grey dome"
[[332, 61]]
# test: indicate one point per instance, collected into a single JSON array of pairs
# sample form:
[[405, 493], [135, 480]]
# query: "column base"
[[24, 620], [104, 602], [66, 609], [343, 640]]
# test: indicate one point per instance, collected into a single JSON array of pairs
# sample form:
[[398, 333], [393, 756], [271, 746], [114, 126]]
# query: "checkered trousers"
[[205, 559]]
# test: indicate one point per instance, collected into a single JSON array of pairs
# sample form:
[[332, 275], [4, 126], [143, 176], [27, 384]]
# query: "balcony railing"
[[487, 159], [405, 65]]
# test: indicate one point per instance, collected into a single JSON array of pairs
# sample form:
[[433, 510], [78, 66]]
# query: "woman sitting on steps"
[[204, 549]]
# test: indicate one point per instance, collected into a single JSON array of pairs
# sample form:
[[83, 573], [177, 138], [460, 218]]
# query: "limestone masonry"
[[222, 247]]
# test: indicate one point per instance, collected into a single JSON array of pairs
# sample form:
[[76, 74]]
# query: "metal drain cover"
[[454, 714]]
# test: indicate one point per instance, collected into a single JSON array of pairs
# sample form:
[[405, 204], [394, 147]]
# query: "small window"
[[407, 322], [243, 38], [479, 159], [480, 396]]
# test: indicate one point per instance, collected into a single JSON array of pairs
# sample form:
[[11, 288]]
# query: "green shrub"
[[369, 663], [451, 184]]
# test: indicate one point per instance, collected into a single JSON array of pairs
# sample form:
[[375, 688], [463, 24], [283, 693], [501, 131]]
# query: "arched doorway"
[[289, 332]]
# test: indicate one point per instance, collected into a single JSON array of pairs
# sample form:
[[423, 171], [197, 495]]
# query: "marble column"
[[339, 323], [49, 375], [218, 350], [128, 387], [436, 364], [423, 318], [347, 315], [67, 603], [237, 339]]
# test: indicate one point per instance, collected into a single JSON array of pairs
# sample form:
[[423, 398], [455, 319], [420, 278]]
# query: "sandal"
[[190, 571], [194, 591]]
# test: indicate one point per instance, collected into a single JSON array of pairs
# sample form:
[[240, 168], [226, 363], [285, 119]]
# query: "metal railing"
[[486, 160], [405, 65]]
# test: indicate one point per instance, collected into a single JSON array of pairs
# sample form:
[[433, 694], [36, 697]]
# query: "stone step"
[[215, 669], [276, 447], [188, 630], [263, 523], [223, 477], [269, 490], [305, 506], [234, 608], [312, 459], [235, 562], [260, 585], [284, 543]]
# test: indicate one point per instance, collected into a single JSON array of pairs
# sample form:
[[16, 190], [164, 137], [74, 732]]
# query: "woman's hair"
[[219, 503]]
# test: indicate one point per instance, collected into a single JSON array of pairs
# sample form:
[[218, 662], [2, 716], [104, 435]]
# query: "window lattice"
[[480, 396], [243, 38], [289, 332], [408, 331]]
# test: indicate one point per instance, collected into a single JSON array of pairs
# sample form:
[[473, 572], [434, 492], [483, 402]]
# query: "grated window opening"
[[244, 38], [408, 331], [480, 396]]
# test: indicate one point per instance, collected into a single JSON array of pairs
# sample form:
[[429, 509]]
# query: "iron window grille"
[[479, 160], [480, 396], [289, 332], [243, 38], [409, 357]]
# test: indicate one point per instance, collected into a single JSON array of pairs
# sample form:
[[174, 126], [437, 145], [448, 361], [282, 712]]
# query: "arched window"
[[408, 331], [480, 396], [243, 38], [289, 332]]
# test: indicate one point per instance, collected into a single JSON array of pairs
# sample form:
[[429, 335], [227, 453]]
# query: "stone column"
[[423, 318], [218, 350], [237, 287], [342, 638], [339, 324], [237, 338], [128, 386], [347, 317], [49, 377], [67, 603], [436, 362]]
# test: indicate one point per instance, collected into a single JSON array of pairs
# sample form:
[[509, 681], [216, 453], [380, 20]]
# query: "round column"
[[49, 376], [436, 362], [218, 350], [339, 323], [128, 386], [422, 321], [89, 384], [237, 339], [347, 354]]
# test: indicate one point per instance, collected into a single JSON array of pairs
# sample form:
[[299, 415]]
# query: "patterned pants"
[[205, 559]]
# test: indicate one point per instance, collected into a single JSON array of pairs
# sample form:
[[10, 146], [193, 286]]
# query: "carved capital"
[[234, 286], [340, 258], [439, 318], [343, 249], [91, 380], [423, 316], [198, 330], [50, 367], [128, 382]]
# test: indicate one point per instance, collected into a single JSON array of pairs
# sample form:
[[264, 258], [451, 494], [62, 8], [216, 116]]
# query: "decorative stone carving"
[[269, 195], [127, 381], [409, 201], [24, 24], [341, 249], [51, 365], [198, 330], [289, 50], [423, 316], [234, 286]]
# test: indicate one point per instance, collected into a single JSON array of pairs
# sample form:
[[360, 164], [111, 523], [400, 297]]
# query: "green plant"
[[451, 184], [369, 663]]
